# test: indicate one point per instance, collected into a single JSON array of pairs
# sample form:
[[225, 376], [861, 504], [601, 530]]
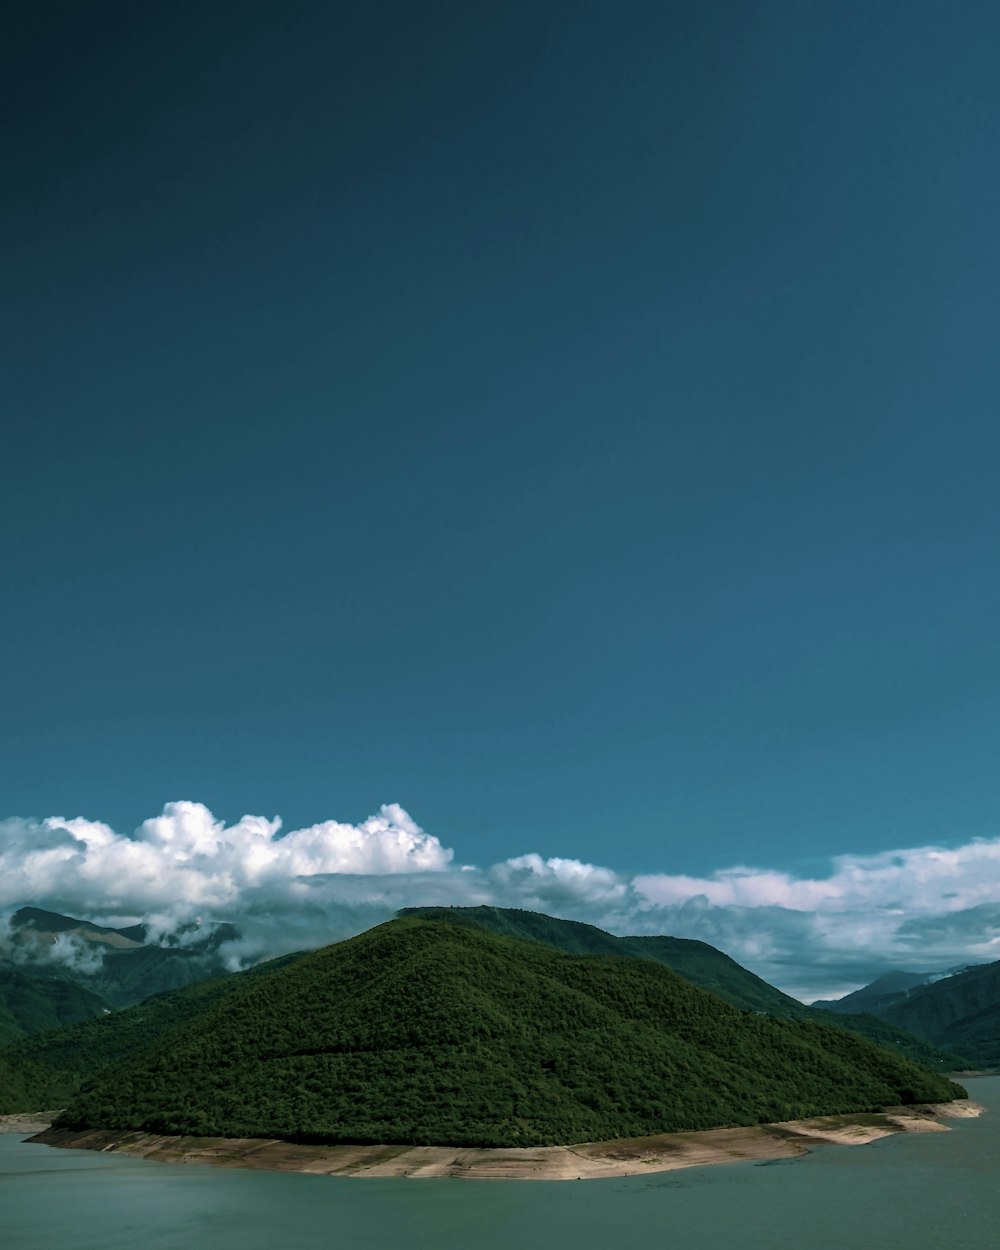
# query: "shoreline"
[[27, 1121], [634, 1156]]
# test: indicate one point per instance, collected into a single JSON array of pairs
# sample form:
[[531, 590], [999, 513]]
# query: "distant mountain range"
[[958, 1010], [43, 986], [887, 990]]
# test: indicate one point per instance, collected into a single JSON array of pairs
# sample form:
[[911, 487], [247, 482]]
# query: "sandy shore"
[[625, 1157], [27, 1121]]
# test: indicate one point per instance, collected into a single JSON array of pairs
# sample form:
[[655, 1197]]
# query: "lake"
[[934, 1191]]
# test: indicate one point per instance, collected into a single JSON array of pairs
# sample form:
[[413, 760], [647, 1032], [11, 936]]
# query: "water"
[[935, 1191]]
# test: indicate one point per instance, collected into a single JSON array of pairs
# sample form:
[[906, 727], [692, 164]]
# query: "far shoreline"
[[634, 1156]]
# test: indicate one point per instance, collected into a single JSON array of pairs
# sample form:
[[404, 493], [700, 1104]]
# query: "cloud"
[[925, 908], [185, 859]]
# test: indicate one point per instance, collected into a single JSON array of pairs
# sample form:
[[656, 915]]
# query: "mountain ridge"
[[702, 964], [426, 1032]]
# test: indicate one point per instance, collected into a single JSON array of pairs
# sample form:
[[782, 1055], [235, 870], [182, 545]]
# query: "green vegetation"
[[132, 976], [423, 1032], [47, 1071], [33, 1004], [961, 1012], [699, 963]]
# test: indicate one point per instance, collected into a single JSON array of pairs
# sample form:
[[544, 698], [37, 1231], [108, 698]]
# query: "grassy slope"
[[426, 1032]]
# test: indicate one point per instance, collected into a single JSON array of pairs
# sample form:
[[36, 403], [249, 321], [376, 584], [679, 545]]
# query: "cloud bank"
[[925, 908]]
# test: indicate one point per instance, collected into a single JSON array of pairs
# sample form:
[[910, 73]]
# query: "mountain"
[[886, 991], [116, 964], [961, 1012], [45, 926], [419, 1031], [698, 962], [32, 1004], [47, 1070]]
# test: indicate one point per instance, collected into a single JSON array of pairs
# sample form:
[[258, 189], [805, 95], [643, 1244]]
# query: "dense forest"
[[47, 1070], [704, 966], [427, 1032], [34, 1004]]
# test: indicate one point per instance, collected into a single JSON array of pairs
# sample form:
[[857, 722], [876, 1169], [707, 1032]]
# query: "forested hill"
[[697, 962], [47, 1070], [703, 965], [961, 1011], [424, 1032], [32, 1004]]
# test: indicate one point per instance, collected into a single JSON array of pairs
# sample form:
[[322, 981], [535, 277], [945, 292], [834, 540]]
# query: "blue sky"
[[575, 423]]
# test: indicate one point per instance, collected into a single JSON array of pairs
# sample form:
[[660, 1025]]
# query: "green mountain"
[[697, 962], [33, 1004], [46, 1071], [961, 1012], [424, 1032], [891, 988]]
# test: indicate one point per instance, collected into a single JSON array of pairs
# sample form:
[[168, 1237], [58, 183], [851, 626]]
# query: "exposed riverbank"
[[590, 1160], [27, 1121]]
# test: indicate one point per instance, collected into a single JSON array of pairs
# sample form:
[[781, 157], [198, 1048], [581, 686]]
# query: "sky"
[[550, 449]]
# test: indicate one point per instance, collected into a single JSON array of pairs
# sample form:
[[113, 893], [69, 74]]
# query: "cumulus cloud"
[[924, 908], [185, 859]]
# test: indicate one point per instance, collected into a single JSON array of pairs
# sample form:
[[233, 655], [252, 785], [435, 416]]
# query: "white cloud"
[[185, 859], [923, 907]]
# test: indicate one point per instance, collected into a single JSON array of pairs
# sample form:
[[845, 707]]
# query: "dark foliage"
[[697, 962], [32, 1004], [422, 1032]]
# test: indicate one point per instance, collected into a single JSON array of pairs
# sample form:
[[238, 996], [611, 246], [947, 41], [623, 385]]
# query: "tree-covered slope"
[[47, 1070], [427, 1032], [696, 961], [703, 965], [961, 1012], [888, 989], [32, 1004]]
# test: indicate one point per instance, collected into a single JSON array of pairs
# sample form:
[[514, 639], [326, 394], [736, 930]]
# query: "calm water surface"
[[937, 1191]]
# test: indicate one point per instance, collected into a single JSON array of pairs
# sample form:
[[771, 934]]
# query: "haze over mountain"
[[57, 969]]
